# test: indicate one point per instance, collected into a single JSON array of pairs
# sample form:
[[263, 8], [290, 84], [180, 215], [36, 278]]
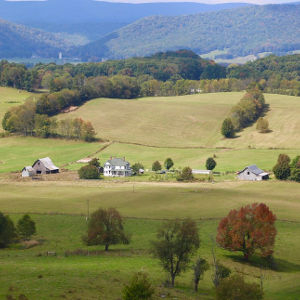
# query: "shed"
[[252, 173], [28, 171], [45, 166], [202, 172]]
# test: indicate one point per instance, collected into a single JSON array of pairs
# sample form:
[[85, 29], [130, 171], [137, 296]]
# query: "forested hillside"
[[21, 41], [241, 31]]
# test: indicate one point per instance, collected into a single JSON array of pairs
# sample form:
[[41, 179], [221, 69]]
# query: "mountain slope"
[[91, 18], [241, 31], [21, 41]]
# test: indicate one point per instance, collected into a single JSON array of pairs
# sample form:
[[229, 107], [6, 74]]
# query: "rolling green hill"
[[241, 31]]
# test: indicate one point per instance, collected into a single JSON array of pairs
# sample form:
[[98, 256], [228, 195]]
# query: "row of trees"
[[10, 233], [287, 169], [249, 108], [250, 229], [25, 120]]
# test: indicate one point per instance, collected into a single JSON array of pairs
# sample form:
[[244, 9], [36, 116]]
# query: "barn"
[[252, 173], [45, 166], [28, 171]]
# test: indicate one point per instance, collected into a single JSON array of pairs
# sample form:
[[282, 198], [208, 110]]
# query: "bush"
[[156, 166], [136, 168], [169, 163], [262, 125], [235, 287], [282, 169], [7, 231], [139, 288], [227, 129], [210, 163], [89, 172], [185, 175], [26, 227]]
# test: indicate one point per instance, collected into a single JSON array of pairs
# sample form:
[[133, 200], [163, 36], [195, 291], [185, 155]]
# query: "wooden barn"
[[252, 173], [45, 166]]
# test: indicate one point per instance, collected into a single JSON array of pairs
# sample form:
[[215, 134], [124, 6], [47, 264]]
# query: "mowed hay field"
[[71, 275], [190, 121]]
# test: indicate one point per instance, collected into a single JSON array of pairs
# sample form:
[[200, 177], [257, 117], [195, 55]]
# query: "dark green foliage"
[[136, 168], [43, 125], [89, 172], [156, 166], [105, 227], [7, 231], [176, 243], [235, 287], [185, 175], [139, 288], [282, 169], [95, 162], [210, 163], [26, 227], [200, 267], [295, 169], [227, 129], [295, 162], [169, 163], [220, 272]]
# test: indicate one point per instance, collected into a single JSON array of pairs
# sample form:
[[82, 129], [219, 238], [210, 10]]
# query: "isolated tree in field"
[[235, 287], [169, 163], [210, 163], [176, 243], [139, 288], [248, 229], [186, 175], [227, 129], [200, 267], [156, 166], [7, 230], [262, 125], [282, 169], [105, 227], [26, 227]]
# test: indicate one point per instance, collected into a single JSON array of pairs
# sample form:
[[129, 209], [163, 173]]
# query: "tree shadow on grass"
[[275, 264]]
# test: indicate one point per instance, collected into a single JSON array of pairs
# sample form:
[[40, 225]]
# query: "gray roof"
[[117, 162], [47, 162], [254, 169]]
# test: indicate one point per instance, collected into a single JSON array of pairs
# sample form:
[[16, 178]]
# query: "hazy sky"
[[200, 1]]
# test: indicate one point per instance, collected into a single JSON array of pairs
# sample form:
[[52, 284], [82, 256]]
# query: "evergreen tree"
[[227, 128]]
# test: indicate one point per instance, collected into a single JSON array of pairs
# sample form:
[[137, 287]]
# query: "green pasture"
[[102, 275], [17, 152]]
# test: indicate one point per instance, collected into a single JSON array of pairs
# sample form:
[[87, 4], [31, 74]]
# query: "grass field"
[[11, 97], [102, 276], [188, 121]]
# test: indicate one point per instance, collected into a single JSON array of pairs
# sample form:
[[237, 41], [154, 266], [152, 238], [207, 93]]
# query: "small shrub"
[[139, 288], [210, 163], [136, 168], [235, 287], [185, 175], [262, 125], [156, 166], [88, 172]]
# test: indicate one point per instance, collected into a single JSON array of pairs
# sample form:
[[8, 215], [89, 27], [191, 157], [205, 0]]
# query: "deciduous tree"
[[176, 242], [227, 129], [156, 166], [210, 163], [169, 163], [248, 229], [26, 227], [7, 230], [200, 267]]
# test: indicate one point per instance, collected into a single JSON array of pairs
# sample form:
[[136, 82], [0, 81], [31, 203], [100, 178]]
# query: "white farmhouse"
[[117, 167], [252, 173]]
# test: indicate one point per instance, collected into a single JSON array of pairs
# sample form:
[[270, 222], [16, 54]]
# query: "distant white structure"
[[252, 173], [202, 172], [28, 171], [117, 167], [60, 56]]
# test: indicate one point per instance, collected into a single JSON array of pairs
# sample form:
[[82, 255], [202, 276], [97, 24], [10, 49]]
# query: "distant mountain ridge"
[[91, 18], [238, 32]]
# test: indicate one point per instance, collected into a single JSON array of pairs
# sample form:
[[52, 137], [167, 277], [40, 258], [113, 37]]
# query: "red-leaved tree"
[[249, 229]]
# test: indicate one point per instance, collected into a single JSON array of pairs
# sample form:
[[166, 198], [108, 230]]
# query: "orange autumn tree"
[[249, 229]]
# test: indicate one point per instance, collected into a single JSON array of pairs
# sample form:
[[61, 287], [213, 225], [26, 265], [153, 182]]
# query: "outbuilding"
[[252, 173], [28, 171], [45, 166]]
